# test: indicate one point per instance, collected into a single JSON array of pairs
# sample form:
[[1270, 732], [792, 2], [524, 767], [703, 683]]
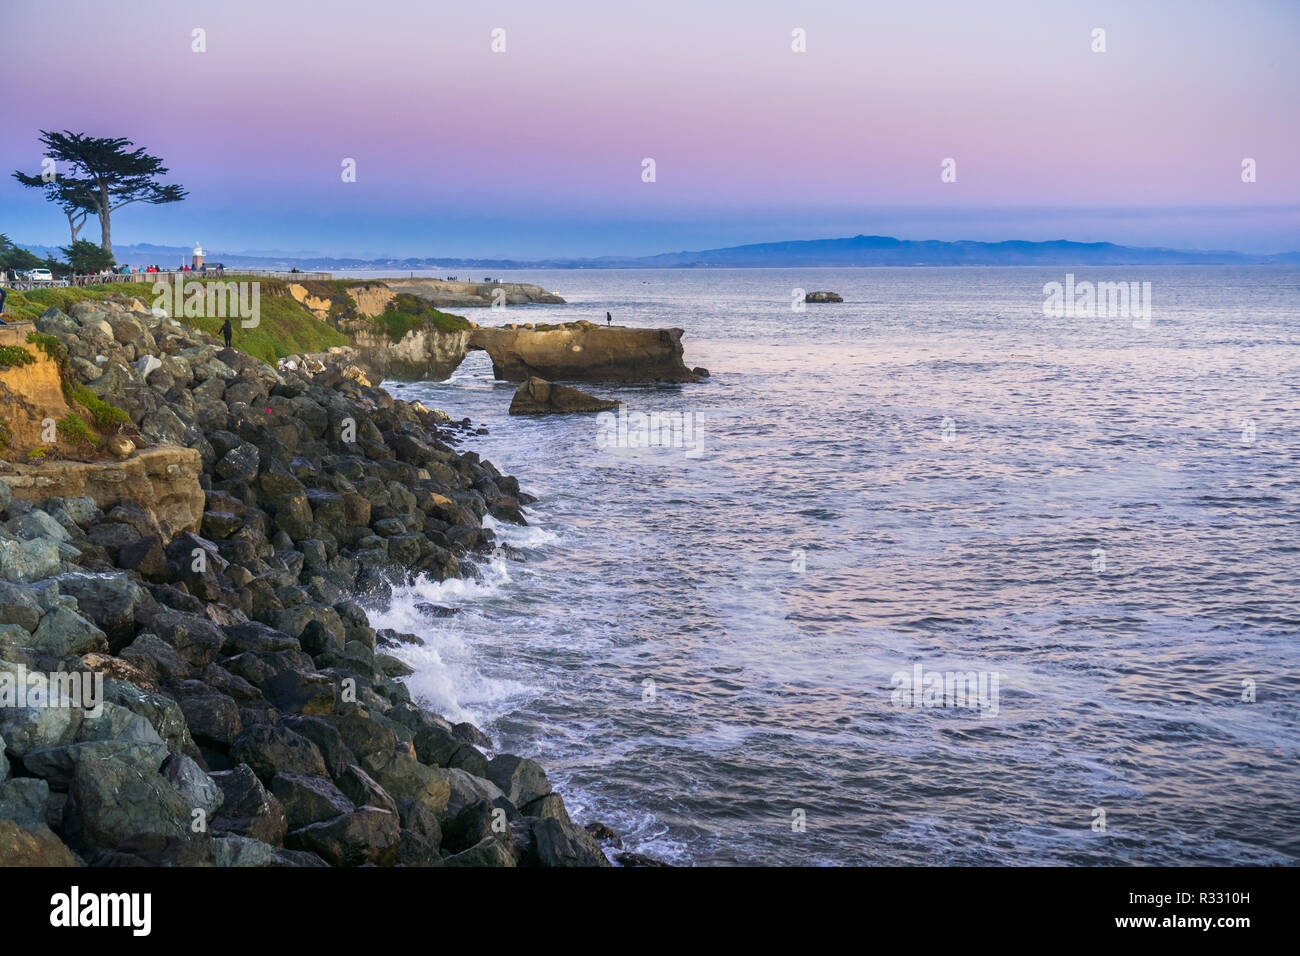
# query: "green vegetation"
[[104, 175], [50, 345], [75, 431], [11, 355], [285, 326], [407, 312], [86, 258], [36, 454], [15, 257], [105, 415]]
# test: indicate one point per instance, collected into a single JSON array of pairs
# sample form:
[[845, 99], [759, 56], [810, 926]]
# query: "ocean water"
[[707, 645]]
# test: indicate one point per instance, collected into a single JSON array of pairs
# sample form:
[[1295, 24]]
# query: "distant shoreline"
[[857, 252]]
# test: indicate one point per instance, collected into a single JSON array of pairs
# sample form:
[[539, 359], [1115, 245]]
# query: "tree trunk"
[[105, 227], [73, 226]]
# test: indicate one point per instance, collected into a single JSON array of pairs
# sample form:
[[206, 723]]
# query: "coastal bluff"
[[397, 333]]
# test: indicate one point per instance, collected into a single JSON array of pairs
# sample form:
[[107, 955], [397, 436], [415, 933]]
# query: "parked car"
[[40, 275]]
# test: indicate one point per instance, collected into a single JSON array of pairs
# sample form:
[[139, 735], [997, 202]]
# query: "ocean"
[[923, 577]]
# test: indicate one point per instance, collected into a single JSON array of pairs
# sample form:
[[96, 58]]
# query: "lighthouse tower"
[[196, 261]]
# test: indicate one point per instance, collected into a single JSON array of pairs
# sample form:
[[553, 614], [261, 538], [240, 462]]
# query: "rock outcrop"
[[823, 297], [30, 392], [539, 397], [455, 294], [166, 477], [584, 352], [420, 355]]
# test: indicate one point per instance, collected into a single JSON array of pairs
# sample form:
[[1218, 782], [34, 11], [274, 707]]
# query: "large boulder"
[[583, 352], [269, 750], [64, 632], [555, 843], [539, 397], [520, 779], [27, 561], [113, 801], [247, 809], [308, 799], [368, 835], [39, 846]]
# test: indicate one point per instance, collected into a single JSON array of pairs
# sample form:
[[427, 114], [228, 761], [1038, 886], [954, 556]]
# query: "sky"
[[538, 150]]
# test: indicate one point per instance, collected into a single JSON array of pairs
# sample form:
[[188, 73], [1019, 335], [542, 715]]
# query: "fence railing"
[[79, 281]]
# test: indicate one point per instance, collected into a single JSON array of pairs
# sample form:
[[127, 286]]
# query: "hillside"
[[285, 326]]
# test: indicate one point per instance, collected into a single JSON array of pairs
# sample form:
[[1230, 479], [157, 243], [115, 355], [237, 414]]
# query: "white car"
[[40, 275]]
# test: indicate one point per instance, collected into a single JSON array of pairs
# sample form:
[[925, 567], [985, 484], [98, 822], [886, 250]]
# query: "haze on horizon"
[[537, 151]]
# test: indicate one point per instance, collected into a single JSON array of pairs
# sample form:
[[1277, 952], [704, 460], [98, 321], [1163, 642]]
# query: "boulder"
[[487, 852], [63, 632], [248, 809], [368, 835], [25, 800], [37, 847], [555, 843], [269, 750], [113, 800], [520, 779], [539, 397], [26, 561], [308, 799]]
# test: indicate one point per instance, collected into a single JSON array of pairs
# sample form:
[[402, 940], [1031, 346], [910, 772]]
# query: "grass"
[[11, 355], [30, 304], [74, 430], [407, 312], [284, 327], [105, 415], [50, 345]]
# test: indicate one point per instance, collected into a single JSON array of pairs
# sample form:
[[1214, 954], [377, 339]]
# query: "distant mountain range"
[[849, 252]]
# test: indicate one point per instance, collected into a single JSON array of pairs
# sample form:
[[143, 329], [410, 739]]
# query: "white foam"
[[524, 537], [448, 677]]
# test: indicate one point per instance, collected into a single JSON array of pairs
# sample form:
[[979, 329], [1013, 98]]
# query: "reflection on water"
[[1090, 525]]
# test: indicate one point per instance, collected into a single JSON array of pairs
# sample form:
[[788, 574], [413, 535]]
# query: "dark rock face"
[[539, 397], [251, 715], [823, 297]]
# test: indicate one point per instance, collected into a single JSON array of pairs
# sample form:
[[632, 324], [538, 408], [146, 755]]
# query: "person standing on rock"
[[227, 332], [609, 319]]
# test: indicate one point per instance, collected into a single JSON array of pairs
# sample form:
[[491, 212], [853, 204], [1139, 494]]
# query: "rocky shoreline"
[[249, 715]]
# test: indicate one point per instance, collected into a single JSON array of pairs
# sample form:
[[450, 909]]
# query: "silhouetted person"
[[609, 319], [227, 332]]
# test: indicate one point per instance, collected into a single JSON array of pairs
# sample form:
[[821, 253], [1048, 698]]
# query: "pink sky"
[[538, 150]]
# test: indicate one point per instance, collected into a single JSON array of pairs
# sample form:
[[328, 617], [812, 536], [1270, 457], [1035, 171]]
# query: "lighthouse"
[[196, 260]]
